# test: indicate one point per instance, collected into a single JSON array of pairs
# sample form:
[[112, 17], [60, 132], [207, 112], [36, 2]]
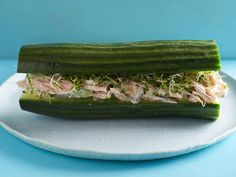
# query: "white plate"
[[115, 139]]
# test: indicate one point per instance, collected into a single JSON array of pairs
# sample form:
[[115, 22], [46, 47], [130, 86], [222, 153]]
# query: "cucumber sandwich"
[[175, 78]]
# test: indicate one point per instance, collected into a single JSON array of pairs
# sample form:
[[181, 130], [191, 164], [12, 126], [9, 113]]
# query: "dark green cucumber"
[[133, 57], [88, 108]]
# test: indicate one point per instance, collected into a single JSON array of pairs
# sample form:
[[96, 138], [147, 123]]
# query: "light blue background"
[[44, 21]]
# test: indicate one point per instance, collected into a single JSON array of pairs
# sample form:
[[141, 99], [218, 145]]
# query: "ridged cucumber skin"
[[87, 108], [134, 57]]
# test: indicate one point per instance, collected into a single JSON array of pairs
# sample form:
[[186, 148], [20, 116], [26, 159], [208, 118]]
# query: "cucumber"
[[131, 58], [112, 108]]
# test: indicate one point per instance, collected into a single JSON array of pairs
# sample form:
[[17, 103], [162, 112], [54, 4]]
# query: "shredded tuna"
[[82, 93], [148, 96], [161, 92], [90, 85], [199, 87], [157, 99], [218, 86], [101, 95], [202, 87], [211, 93], [43, 87], [64, 87], [213, 78], [195, 99], [23, 84], [120, 95], [139, 92], [220, 89], [201, 91], [205, 97], [175, 95], [89, 82], [133, 90]]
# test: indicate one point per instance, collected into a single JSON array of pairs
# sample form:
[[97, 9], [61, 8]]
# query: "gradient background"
[[46, 21]]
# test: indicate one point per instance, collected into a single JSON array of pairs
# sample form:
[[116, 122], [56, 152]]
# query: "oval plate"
[[115, 139]]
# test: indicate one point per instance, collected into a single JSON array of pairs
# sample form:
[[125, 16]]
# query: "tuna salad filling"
[[198, 87]]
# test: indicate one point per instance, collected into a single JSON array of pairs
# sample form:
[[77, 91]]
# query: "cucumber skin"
[[130, 58], [112, 108]]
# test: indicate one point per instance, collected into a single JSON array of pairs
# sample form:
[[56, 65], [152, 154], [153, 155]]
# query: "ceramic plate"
[[115, 139]]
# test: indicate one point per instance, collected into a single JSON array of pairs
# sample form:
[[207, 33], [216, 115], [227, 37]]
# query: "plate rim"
[[91, 154]]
